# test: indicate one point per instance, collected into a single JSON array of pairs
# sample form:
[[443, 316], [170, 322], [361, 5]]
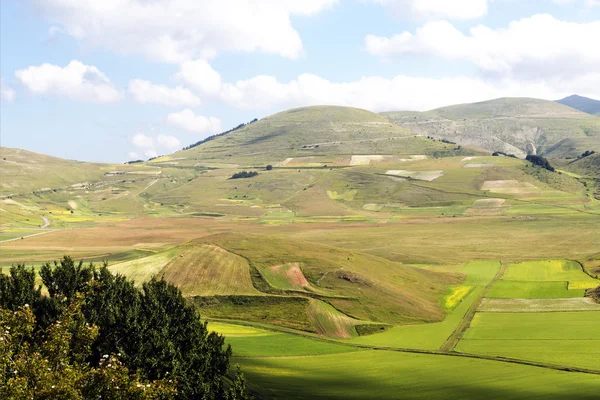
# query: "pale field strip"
[[468, 158], [365, 160], [539, 305], [419, 175], [510, 187], [478, 165], [487, 207]]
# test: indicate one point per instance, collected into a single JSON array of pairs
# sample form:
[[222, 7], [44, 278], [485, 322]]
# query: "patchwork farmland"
[[363, 261]]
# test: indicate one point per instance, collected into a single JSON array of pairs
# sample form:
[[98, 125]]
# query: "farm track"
[[509, 360], [464, 324], [28, 236]]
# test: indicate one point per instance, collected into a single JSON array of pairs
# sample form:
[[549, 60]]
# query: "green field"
[[393, 375], [533, 290], [564, 338], [432, 336]]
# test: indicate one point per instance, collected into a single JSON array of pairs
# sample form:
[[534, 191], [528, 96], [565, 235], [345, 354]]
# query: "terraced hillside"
[[517, 126]]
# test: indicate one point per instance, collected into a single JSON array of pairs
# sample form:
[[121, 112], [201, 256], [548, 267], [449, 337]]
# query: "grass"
[[143, 269], [330, 322], [539, 305], [254, 342], [535, 326], [285, 277], [505, 289], [393, 375], [553, 270], [432, 336], [207, 270], [364, 287], [288, 312], [568, 338]]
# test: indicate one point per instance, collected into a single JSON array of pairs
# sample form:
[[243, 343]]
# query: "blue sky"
[[116, 80]]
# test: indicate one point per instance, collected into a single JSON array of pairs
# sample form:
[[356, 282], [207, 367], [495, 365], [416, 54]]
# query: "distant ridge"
[[581, 103], [517, 126]]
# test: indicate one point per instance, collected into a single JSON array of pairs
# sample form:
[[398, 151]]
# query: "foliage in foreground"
[[148, 336]]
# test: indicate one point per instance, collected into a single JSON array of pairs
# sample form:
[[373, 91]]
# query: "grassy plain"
[[565, 338], [393, 375]]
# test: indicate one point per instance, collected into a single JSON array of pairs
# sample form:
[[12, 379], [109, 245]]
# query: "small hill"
[[296, 284], [308, 131], [581, 103], [517, 126], [26, 171]]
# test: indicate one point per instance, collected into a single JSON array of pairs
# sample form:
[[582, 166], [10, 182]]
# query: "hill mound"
[[301, 285], [517, 126], [308, 131], [26, 171], [581, 103]]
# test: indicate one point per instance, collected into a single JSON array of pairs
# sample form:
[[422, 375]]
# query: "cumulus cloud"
[[200, 75], [75, 81], [6, 92], [168, 142], [132, 155], [151, 146], [401, 92], [528, 48], [188, 121], [435, 9], [142, 141], [181, 30], [147, 92]]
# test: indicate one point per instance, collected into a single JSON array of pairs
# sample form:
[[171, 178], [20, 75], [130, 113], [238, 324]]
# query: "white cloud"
[[168, 142], [539, 46], [142, 141], [132, 155], [200, 75], [187, 120], [435, 9], [181, 30], [398, 93], [6, 93], [147, 92], [75, 81], [152, 146]]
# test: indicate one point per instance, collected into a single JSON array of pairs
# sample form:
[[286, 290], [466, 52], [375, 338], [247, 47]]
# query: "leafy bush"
[[244, 174], [539, 160]]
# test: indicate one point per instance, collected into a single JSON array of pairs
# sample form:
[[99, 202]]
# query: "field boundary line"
[[465, 322]]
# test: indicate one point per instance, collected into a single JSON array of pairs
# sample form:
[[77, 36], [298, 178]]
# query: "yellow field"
[[457, 293]]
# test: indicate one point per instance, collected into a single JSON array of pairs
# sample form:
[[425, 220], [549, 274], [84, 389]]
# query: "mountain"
[[308, 132], [517, 126], [581, 103]]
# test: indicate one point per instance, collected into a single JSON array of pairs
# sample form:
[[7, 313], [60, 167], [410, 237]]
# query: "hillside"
[[23, 171], [297, 284], [517, 126], [307, 132], [581, 103]]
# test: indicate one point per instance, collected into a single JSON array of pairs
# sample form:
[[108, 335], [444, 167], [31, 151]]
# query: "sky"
[[116, 80]]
